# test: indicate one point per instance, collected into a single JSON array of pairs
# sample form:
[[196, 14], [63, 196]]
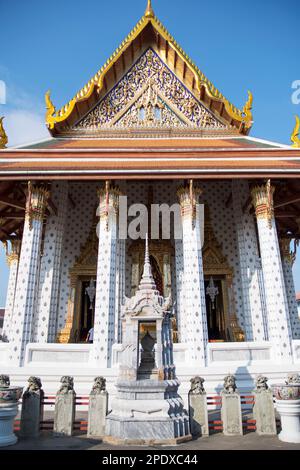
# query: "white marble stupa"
[[147, 408]]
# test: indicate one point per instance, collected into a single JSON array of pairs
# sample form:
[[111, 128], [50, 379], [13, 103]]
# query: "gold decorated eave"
[[3, 135], [295, 134], [205, 91]]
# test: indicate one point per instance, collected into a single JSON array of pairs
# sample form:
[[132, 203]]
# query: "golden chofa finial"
[[295, 134], [3, 136], [149, 13], [247, 110]]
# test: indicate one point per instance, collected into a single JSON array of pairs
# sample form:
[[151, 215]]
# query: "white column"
[[288, 259], [106, 305], [179, 285], [24, 306], [46, 314], [279, 330], [120, 288], [12, 259], [254, 323], [193, 322]]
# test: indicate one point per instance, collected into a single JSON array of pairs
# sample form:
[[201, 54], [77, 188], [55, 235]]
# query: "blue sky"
[[60, 45]]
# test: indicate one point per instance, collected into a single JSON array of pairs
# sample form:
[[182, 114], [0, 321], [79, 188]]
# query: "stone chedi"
[[147, 407]]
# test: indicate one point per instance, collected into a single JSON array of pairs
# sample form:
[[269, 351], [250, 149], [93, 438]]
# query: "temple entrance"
[[220, 306], [215, 309], [87, 309]]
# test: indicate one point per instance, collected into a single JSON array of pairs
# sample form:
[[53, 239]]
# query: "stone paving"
[[250, 441]]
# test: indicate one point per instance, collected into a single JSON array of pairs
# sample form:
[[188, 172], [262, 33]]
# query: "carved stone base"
[[147, 411], [198, 414], [231, 414], [146, 442], [264, 413]]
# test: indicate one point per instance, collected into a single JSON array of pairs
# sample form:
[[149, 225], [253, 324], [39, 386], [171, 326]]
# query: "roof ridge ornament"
[[3, 135], [149, 13], [295, 134]]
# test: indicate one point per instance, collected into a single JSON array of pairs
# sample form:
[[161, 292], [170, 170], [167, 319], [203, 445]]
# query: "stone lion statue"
[[67, 385], [261, 383], [229, 385], [99, 385], [293, 379], [4, 381], [197, 386], [34, 387], [34, 384]]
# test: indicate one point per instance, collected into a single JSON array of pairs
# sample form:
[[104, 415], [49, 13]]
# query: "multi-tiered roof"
[[149, 112]]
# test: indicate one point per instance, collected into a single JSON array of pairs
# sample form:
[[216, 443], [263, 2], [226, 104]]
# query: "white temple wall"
[[49, 278], [80, 218], [254, 311], [291, 297], [78, 225], [215, 194]]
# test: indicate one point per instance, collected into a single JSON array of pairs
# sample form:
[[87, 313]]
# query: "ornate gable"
[[208, 107], [150, 95]]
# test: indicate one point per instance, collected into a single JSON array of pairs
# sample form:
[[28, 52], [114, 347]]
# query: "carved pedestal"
[[264, 413], [231, 414], [32, 409], [98, 406], [64, 412]]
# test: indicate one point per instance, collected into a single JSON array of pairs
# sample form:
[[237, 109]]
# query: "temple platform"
[[244, 360]]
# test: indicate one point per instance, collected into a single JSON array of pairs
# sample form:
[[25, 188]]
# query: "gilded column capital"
[[36, 203], [13, 253], [108, 201], [263, 202], [188, 197]]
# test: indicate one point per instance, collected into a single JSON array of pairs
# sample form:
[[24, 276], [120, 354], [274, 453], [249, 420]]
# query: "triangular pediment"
[[150, 95], [148, 32]]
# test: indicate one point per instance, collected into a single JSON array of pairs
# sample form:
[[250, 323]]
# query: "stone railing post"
[[198, 408], [263, 410], [64, 413], [32, 408], [98, 407], [231, 411]]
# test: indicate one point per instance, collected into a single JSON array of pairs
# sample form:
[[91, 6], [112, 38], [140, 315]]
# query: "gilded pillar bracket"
[[36, 203], [108, 202], [189, 198], [262, 198]]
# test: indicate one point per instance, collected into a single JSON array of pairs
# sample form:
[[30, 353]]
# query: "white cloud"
[[23, 127], [24, 116]]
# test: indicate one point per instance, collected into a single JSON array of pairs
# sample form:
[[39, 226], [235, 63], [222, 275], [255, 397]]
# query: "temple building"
[[151, 128]]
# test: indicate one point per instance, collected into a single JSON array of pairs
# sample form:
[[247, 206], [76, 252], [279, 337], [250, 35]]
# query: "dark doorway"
[[86, 312], [215, 311]]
